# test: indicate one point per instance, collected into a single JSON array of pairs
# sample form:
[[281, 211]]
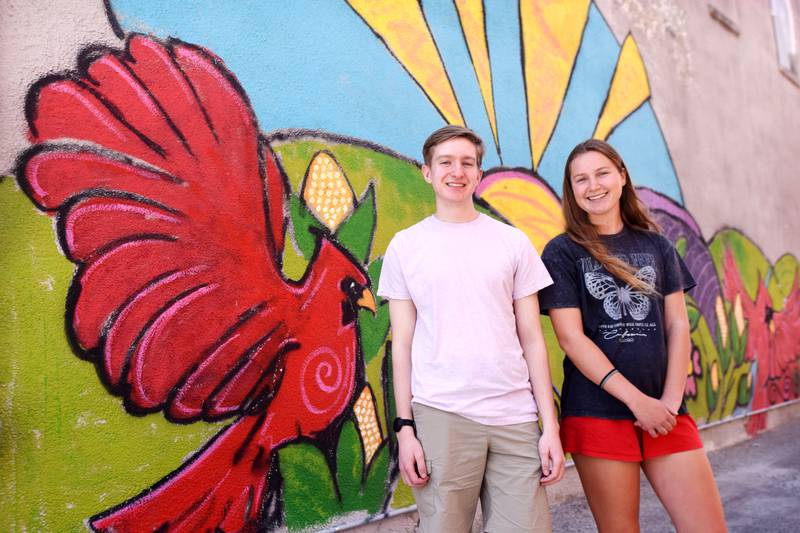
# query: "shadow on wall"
[[223, 276]]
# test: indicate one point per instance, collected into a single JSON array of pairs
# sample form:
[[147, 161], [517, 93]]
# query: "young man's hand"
[[552, 456], [411, 457]]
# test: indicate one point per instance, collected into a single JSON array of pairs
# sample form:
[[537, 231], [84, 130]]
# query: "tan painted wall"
[[39, 37], [732, 119]]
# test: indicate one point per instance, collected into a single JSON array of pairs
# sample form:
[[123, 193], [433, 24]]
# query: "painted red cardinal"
[[173, 209]]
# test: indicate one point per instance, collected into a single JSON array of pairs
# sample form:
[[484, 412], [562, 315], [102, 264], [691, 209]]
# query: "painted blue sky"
[[317, 65]]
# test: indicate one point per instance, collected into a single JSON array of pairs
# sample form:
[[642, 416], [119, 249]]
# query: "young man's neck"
[[455, 213]]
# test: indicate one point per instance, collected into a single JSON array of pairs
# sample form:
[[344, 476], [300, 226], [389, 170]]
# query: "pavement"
[[758, 479]]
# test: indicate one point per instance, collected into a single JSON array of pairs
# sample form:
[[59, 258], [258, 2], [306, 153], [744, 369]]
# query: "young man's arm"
[[411, 457], [534, 350]]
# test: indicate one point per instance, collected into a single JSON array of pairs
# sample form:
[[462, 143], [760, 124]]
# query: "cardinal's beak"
[[367, 301]]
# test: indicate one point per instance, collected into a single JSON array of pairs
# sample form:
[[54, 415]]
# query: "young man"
[[469, 359]]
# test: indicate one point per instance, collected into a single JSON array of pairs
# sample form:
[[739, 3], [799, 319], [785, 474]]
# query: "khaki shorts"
[[467, 460]]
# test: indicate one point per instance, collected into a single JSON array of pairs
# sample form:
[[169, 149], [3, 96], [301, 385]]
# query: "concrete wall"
[[726, 110], [198, 193]]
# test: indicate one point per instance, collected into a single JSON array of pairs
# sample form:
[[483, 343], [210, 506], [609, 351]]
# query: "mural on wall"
[[226, 213]]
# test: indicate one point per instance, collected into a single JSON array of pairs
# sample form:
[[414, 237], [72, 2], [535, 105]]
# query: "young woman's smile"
[[597, 185]]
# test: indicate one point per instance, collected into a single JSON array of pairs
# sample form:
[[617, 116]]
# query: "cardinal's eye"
[[348, 286]]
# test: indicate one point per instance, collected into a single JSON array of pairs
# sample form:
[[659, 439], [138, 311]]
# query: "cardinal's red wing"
[[173, 210]]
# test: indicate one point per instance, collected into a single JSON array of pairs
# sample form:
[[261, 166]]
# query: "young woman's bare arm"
[[651, 414]]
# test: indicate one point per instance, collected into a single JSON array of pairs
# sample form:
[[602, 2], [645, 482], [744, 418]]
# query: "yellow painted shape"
[[402, 27], [529, 206], [722, 320], [629, 88], [326, 191], [551, 37], [368, 426], [470, 12]]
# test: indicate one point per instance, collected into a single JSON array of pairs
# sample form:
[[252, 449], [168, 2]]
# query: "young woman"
[[618, 309]]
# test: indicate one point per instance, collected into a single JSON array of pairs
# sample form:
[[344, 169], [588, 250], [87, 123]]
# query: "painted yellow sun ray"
[[527, 205], [402, 27], [470, 12], [629, 88], [551, 37]]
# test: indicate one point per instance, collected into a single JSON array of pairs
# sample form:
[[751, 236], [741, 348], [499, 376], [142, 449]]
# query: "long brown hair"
[[634, 216]]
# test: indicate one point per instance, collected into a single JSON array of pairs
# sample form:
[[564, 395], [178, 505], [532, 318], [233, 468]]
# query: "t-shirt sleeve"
[[530, 275], [392, 283], [676, 274], [565, 290]]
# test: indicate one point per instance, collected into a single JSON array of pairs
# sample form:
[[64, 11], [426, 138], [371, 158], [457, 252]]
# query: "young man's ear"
[[426, 173]]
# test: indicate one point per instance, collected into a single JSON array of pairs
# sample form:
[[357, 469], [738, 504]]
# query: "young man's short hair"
[[451, 132]]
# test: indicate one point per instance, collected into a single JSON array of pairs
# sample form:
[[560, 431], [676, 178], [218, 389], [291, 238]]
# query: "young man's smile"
[[454, 171]]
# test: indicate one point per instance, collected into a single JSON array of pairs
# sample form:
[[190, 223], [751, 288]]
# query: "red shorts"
[[620, 440]]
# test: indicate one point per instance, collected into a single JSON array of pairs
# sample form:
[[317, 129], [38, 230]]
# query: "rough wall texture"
[[196, 210]]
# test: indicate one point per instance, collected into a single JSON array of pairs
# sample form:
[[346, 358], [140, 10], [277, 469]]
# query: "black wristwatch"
[[400, 422]]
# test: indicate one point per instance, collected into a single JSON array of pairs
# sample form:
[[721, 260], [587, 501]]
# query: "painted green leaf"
[[555, 357], [374, 371], [302, 219], [373, 329], [355, 233], [733, 389], [403, 497], [711, 396], [349, 463], [360, 491], [294, 264], [701, 406], [309, 496], [783, 278], [744, 390], [753, 267], [376, 484], [694, 314], [739, 345], [680, 246], [388, 392]]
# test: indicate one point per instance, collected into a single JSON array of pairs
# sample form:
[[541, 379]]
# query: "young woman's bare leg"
[[612, 489], [685, 485]]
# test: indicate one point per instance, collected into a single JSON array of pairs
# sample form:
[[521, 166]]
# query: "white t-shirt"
[[463, 278]]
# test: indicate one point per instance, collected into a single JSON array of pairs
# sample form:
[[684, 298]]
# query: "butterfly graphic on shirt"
[[621, 301]]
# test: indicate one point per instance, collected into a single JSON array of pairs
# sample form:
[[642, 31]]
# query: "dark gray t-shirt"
[[626, 325]]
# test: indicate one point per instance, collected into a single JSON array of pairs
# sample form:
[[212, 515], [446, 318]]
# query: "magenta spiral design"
[[321, 380]]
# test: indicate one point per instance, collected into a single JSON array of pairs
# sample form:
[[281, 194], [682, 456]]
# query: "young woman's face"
[[597, 186]]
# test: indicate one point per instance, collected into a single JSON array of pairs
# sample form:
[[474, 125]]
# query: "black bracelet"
[[607, 377]]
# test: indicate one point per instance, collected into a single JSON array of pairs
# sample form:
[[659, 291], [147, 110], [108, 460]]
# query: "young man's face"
[[454, 172]]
